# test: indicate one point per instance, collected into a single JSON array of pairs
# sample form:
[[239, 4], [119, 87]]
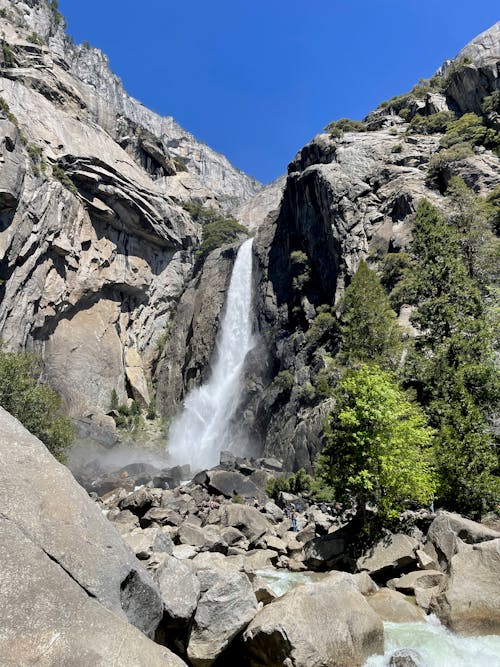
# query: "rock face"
[[470, 601], [95, 249], [346, 198], [325, 623], [62, 556], [47, 618]]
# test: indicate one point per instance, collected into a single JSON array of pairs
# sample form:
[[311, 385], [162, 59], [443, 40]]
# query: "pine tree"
[[369, 327], [451, 367]]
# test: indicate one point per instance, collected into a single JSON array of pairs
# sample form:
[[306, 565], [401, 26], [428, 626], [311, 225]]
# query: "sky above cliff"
[[258, 79]]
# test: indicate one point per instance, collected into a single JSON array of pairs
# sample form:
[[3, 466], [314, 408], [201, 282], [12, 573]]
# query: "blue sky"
[[257, 79]]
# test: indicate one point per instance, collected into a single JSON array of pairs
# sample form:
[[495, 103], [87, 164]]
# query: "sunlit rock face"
[[95, 247]]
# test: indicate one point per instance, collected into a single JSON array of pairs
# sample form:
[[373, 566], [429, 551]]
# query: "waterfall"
[[201, 431]]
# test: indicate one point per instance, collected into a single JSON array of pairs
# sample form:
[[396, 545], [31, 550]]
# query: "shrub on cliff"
[[36, 405], [218, 228]]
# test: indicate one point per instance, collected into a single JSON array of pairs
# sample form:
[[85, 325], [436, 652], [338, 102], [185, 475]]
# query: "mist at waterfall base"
[[203, 429]]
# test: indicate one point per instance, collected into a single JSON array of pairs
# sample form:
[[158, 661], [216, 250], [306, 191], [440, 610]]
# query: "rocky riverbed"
[[235, 577]]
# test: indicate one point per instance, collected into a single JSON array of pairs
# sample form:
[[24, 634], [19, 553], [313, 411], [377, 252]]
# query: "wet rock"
[[405, 657]]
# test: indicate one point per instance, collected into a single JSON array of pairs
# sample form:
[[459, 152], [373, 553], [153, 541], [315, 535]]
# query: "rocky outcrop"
[[469, 601], [47, 617], [70, 581], [185, 358], [42, 500]]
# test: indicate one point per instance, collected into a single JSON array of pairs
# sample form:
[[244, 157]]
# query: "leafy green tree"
[[369, 327], [36, 405], [377, 444]]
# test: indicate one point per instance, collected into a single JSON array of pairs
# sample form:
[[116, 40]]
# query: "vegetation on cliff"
[[35, 404]]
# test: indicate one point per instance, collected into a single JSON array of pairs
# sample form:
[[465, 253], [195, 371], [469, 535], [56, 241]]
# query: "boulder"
[[142, 500], [448, 529], [226, 606], [260, 559], [162, 516], [389, 556], [275, 544], [184, 551], [326, 551], [247, 520], [263, 592], [47, 618], [405, 657], [274, 512], [470, 601], [42, 499], [408, 583], [395, 607], [323, 623], [124, 521], [180, 590], [144, 542], [191, 534], [230, 484]]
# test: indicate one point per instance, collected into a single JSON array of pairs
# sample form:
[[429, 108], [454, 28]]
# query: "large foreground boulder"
[[48, 619], [226, 606], [40, 498], [470, 602], [324, 623]]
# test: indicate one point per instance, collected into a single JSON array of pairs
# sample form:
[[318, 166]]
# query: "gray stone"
[[247, 520], [47, 618], [180, 588], [389, 556], [405, 658], [408, 583], [225, 608], [394, 607], [144, 542], [41, 498], [230, 484], [323, 623], [470, 600]]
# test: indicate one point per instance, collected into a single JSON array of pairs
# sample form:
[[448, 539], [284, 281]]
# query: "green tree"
[[369, 327], [36, 405], [377, 444], [452, 364]]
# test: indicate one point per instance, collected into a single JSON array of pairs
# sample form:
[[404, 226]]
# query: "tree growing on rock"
[[369, 327], [378, 444]]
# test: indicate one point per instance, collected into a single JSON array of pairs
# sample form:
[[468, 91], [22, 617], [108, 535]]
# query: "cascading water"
[[201, 431]]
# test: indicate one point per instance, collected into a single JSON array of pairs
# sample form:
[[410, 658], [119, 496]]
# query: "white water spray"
[[199, 434]]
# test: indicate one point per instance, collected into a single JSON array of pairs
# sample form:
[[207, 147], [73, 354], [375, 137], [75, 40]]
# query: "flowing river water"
[[431, 643], [202, 430]]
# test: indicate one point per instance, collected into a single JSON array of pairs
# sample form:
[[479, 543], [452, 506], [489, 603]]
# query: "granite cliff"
[[95, 246]]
